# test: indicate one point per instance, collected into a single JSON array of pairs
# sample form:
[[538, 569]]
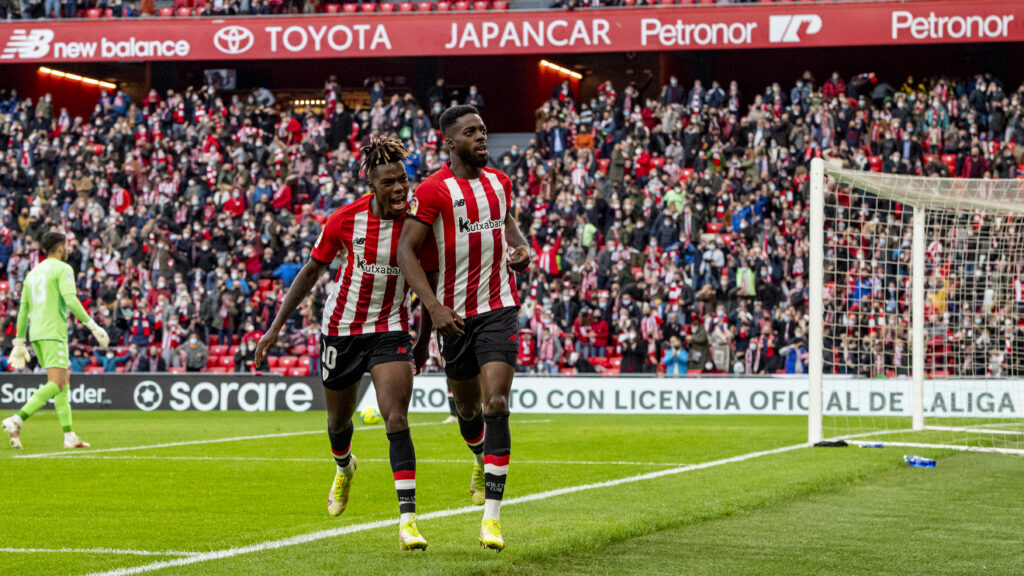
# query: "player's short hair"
[[382, 151], [450, 116], [51, 240]]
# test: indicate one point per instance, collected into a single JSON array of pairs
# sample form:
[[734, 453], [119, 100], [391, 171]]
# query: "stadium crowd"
[[669, 226]]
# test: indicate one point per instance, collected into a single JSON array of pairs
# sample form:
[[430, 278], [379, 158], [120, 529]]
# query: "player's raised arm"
[[445, 320], [304, 282]]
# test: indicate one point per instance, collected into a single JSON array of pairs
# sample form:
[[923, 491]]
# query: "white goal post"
[[916, 310]]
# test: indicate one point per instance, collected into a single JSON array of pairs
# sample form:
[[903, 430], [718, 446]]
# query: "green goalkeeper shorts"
[[52, 354]]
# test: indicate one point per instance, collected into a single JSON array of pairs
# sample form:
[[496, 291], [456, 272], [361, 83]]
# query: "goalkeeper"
[[46, 295]]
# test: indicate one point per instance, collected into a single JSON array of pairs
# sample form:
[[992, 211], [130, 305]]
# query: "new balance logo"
[[28, 45], [360, 241], [788, 29], [460, 203], [467, 227]]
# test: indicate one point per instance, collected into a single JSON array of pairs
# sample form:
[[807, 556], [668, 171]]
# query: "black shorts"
[[490, 337], [344, 359]]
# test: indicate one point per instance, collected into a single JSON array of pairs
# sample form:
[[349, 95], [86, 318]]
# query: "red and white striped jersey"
[[468, 219], [369, 293]]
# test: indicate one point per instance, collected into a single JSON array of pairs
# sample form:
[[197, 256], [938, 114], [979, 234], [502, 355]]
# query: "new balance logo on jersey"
[[378, 269], [360, 241], [28, 44], [460, 203], [467, 227]]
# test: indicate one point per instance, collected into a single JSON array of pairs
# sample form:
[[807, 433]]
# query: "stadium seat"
[[212, 361], [629, 2], [273, 360], [121, 369], [948, 159], [387, 7], [599, 361], [501, 4], [714, 227], [481, 5], [227, 361], [425, 7], [707, 1], [603, 164], [671, 2], [462, 5], [350, 8], [299, 370], [5, 286], [94, 369], [368, 7], [212, 340], [220, 370], [444, 6], [685, 174], [287, 362], [330, 9], [232, 350], [184, 12], [93, 13], [929, 157], [176, 370], [406, 7], [300, 350], [657, 162], [875, 163], [219, 350], [567, 371], [166, 12], [108, 13]]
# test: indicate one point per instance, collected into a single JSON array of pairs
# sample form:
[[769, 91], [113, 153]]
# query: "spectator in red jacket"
[[834, 87], [527, 351], [282, 196]]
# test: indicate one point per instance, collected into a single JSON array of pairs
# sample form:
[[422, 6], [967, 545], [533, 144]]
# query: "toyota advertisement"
[[481, 33]]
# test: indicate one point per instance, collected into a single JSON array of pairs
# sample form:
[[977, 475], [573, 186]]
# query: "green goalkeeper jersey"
[[47, 294]]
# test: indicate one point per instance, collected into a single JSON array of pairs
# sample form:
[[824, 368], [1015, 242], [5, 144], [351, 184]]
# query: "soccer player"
[[466, 207], [47, 294], [365, 326]]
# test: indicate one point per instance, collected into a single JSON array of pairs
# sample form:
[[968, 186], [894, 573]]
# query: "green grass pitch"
[[803, 511]]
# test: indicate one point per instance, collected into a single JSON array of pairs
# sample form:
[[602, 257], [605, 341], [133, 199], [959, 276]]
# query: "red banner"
[[483, 33]]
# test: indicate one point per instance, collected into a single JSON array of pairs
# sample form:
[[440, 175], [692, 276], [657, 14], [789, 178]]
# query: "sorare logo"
[[790, 29], [148, 395], [233, 40]]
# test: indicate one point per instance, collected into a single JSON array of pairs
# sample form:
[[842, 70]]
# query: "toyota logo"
[[233, 39]]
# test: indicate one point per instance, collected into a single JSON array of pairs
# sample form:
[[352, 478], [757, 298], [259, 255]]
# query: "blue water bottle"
[[919, 461]]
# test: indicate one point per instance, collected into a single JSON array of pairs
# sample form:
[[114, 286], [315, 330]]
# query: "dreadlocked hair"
[[382, 151]]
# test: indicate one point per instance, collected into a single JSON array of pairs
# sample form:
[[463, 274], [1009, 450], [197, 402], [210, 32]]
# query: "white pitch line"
[[86, 456], [231, 439], [323, 534], [992, 449], [114, 551]]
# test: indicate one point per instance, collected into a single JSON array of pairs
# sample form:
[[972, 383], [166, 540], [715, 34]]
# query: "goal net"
[[916, 310]]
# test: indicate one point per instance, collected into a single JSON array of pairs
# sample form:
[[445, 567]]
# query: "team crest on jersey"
[[414, 204]]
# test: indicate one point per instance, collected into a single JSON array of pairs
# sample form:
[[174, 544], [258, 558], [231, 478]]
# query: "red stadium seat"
[[300, 350], [599, 361], [462, 5], [273, 360], [167, 12], [406, 7], [444, 6], [685, 174], [233, 350], [299, 370], [176, 370], [657, 162], [670, 2], [1012, 146], [332, 8], [93, 13], [212, 340], [94, 369], [387, 7], [220, 370], [184, 12], [481, 5], [425, 7], [212, 361], [121, 369], [948, 159], [603, 164], [350, 8], [4, 285], [714, 227], [629, 2], [875, 163], [501, 4], [929, 157], [707, 1], [219, 350], [108, 13], [227, 361], [368, 7], [287, 362]]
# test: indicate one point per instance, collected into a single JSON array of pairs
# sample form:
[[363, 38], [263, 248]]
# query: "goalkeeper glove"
[[99, 333], [19, 355]]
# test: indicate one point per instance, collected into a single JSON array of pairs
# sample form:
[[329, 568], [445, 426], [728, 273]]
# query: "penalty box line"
[[324, 534], [221, 440], [87, 456]]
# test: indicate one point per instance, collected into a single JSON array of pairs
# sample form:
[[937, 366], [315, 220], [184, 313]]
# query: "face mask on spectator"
[[192, 341]]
